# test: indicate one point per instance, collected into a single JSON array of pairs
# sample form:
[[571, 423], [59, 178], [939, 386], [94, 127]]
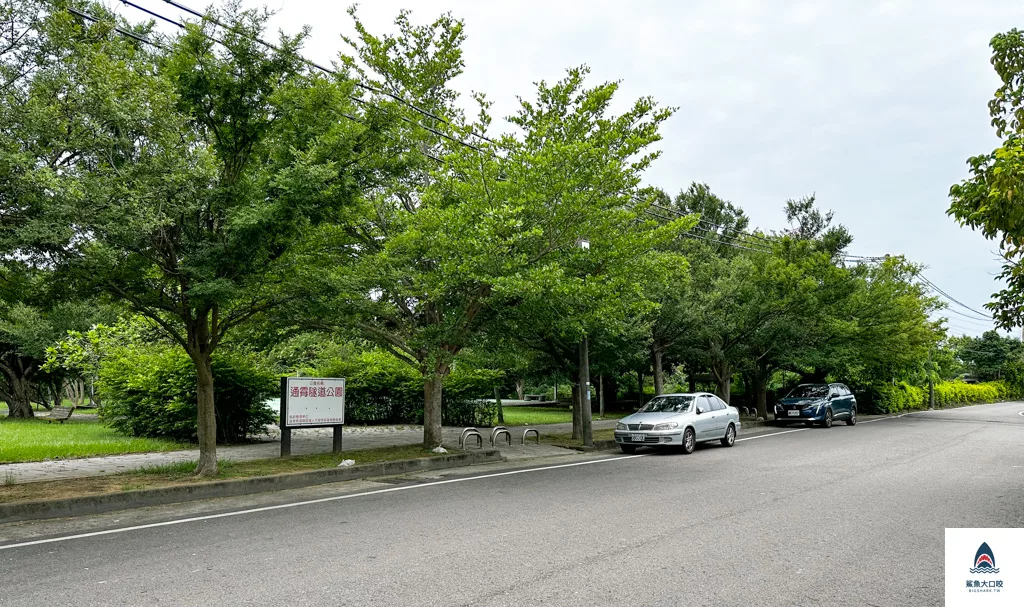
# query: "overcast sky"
[[873, 106]]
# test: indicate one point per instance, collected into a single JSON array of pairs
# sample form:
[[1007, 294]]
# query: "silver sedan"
[[680, 420]]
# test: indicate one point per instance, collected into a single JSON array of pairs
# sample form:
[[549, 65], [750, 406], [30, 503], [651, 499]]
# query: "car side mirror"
[[833, 395], [700, 410]]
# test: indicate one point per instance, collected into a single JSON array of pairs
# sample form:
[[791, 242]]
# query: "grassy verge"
[[33, 440], [533, 416], [151, 477]]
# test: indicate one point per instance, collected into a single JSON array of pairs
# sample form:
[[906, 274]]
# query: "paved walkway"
[[313, 440]]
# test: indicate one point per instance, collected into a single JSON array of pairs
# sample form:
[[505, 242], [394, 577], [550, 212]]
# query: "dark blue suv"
[[817, 404]]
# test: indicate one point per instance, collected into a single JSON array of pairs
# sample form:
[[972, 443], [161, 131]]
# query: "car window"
[[668, 404], [810, 391], [702, 401], [717, 404]]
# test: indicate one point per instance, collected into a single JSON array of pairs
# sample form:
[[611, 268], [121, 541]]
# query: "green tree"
[[990, 199], [188, 173]]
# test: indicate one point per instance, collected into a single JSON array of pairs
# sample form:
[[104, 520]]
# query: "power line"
[[938, 290], [327, 70], [119, 30]]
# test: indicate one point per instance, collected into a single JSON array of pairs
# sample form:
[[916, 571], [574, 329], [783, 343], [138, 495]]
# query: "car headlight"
[[666, 426], [621, 426]]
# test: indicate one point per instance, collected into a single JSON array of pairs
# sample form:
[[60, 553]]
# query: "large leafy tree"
[[991, 199], [186, 174]]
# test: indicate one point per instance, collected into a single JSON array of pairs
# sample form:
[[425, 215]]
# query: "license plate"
[[793, 413], [636, 438]]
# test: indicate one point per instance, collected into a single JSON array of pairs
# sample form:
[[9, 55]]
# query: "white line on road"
[[772, 434], [335, 498]]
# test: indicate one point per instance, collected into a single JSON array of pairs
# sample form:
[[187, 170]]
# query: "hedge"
[[381, 389], [152, 392], [904, 397]]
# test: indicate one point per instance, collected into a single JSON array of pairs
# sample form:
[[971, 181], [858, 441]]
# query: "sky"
[[872, 106]]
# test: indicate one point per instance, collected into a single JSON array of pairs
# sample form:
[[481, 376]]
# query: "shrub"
[[900, 397], [152, 392], [903, 397], [381, 389]]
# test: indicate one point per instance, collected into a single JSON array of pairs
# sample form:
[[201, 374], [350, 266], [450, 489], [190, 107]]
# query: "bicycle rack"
[[469, 432], [528, 431], [498, 431]]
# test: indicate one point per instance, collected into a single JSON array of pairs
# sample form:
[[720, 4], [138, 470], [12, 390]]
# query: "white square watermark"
[[984, 567]]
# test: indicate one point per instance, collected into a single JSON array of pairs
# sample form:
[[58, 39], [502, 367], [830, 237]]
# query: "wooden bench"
[[59, 414], [533, 397]]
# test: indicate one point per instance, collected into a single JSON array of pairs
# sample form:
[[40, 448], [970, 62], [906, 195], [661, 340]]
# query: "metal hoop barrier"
[[527, 433], [498, 431], [474, 434], [466, 433]]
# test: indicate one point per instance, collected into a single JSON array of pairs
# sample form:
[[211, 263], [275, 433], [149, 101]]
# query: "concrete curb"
[[96, 504]]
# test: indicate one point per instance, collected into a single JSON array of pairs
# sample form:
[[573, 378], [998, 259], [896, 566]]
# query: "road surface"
[[846, 516]]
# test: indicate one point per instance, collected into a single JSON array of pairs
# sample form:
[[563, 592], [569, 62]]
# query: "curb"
[[96, 504]]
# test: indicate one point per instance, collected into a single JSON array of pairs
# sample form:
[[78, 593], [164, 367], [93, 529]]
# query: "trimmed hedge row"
[[381, 389], [152, 392], [905, 397]]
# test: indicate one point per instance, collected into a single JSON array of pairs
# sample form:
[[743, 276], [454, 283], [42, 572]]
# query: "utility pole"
[[588, 434], [600, 393]]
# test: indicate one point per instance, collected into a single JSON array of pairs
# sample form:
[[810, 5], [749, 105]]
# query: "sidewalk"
[[313, 440]]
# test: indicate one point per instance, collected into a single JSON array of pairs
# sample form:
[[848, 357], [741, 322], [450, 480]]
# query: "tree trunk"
[[640, 386], [206, 419], [659, 373], [501, 412], [759, 381], [520, 388], [19, 378], [722, 371], [691, 377], [586, 407], [577, 413], [432, 385]]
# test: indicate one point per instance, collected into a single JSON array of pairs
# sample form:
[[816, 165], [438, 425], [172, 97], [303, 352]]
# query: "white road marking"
[[1021, 413], [335, 498], [772, 434]]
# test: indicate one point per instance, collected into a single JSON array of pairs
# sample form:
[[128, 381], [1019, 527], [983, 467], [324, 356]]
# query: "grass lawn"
[[532, 416], [33, 440], [181, 473]]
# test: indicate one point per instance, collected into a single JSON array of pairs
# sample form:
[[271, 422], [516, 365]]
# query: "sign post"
[[311, 402]]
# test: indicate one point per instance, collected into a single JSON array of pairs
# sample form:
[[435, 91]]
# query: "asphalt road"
[[846, 516]]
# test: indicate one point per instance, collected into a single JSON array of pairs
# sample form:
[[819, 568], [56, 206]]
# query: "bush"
[[152, 392], [900, 397], [903, 397], [381, 389]]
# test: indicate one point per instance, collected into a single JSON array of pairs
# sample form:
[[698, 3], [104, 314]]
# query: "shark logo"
[[984, 560]]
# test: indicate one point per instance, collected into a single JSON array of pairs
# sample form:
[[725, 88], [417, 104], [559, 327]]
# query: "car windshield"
[[809, 391], [668, 404]]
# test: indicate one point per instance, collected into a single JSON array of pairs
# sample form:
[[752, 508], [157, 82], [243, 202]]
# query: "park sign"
[[312, 401]]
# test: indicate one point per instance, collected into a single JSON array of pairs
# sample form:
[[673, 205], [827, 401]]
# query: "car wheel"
[[689, 441], [628, 448], [852, 420], [827, 422], [730, 436]]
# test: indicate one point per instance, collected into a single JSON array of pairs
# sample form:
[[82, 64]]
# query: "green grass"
[[33, 440], [533, 416]]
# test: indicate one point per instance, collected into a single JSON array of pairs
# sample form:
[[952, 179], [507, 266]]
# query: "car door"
[[704, 421], [721, 413], [840, 402]]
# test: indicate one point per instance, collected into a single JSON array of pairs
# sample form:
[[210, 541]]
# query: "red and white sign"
[[315, 401]]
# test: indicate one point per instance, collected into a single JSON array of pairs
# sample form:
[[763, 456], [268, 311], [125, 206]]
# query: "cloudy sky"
[[873, 106]]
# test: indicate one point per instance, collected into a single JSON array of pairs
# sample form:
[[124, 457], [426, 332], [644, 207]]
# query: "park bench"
[[58, 414], [533, 397]]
